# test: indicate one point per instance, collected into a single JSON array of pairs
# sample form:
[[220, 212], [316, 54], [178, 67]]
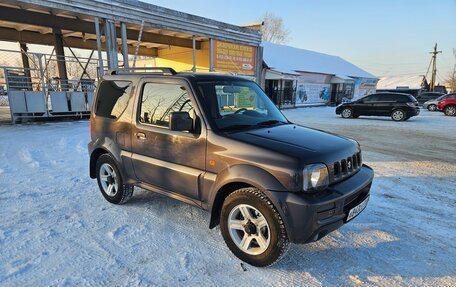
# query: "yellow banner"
[[235, 58]]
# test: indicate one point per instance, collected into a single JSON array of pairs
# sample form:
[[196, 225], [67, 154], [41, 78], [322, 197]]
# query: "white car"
[[431, 105]]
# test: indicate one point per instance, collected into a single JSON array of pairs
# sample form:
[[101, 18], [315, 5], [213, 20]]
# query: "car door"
[[365, 105], [384, 104], [171, 160]]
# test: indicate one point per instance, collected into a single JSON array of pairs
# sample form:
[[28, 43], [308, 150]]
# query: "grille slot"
[[346, 167]]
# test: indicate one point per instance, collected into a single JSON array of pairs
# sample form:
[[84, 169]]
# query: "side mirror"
[[180, 121]]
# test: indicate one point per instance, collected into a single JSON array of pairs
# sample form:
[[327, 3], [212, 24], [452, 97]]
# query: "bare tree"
[[274, 30], [451, 80]]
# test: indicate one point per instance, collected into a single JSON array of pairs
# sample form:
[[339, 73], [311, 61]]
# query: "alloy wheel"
[[450, 111], [398, 115], [249, 229], [346, 113], [109, 180]]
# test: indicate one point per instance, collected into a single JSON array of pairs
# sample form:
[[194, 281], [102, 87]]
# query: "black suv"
[[219, 143], [400, 107], [428, 96]]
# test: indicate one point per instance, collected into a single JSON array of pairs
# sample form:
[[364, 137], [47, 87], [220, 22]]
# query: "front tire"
[[432, 108], [398, 115], [450, 111], [347, 113], [110, 181], [252, 227]]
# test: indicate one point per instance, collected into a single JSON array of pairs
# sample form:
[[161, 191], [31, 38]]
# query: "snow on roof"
[[288, 60], [411, 82]]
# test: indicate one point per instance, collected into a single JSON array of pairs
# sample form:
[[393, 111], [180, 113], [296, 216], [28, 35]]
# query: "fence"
[[283, 98], [37, 91]]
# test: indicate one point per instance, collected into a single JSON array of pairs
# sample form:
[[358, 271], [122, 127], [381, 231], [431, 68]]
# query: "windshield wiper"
[[235, 127], [270, 122], [244, 126]]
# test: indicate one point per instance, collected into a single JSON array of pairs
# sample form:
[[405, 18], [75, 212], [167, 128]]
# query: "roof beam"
[[77, 25], [7, 34]]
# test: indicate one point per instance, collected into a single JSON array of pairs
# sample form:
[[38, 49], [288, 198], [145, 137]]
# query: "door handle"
[[141, 136]]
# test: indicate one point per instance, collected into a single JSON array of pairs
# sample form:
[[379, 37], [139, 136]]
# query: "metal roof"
[[157, 19], [286, 59]]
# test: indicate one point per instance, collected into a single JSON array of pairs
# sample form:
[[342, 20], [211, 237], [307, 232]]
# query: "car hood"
[[306, 144]]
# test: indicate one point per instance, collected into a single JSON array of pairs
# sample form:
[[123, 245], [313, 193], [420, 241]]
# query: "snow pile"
[[57, 230], [412, 82]]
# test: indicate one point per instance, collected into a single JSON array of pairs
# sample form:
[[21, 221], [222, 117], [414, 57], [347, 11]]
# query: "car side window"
[[158, 100], [371, 98], [112, 98], [388, 98]]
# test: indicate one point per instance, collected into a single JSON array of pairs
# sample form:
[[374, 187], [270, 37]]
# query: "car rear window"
[[411, 98], [405, 98], [112, 98]]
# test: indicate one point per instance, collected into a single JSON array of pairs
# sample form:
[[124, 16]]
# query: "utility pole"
[[434, 67]]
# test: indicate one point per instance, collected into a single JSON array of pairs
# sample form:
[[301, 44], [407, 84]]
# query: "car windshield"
[[236, 105]]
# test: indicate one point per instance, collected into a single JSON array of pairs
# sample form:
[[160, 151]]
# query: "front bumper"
[[415, 112], [338, 110], [309, 217]]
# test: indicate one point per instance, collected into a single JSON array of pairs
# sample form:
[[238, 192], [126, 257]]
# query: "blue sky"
[[388, 37]]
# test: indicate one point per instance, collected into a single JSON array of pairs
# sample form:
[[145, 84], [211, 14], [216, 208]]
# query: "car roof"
[[392, 93], [195, 76]]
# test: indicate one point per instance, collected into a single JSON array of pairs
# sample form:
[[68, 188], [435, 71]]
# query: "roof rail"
[[158, 70]]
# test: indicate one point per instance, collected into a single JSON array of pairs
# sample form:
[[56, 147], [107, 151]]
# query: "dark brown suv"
[[219, 143]]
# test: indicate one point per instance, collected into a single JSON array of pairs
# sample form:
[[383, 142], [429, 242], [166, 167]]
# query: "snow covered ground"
[[57, 230]]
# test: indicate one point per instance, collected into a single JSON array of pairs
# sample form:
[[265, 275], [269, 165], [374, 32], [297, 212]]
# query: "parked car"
[[428, 96], [400, 107], [219, 143], [431, 105], [448, 105]]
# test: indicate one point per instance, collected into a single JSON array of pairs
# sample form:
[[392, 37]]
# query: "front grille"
[[345, 167]]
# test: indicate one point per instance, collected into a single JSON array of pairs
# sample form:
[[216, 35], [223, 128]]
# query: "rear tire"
[[398, 115], [432, 108], [253, 228], [347, 113], [450, 110], [110, 181]]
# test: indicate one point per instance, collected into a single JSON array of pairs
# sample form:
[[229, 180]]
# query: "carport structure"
[[110, 28]]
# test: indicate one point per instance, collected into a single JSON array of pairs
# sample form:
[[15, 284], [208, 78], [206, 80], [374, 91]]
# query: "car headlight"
[[315, 177]]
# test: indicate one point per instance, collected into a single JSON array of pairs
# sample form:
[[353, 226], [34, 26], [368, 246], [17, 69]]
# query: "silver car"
[[431, 105]]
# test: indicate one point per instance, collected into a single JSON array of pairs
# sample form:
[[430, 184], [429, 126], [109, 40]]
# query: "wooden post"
[[26, 64], [60, 56]]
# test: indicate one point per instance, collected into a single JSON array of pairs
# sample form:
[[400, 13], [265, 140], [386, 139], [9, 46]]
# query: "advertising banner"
[[364, 87], [233, 57], [312, 93]]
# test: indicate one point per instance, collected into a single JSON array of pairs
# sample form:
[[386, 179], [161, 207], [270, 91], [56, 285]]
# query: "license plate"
[[357, 209]]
